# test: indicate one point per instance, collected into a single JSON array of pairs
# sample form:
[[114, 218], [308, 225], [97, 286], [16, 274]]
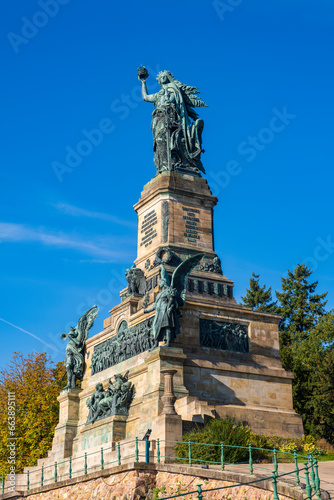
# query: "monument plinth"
[[175, 211], [176, 316]]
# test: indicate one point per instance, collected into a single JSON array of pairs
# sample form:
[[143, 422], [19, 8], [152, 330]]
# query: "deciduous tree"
[[36, 383]]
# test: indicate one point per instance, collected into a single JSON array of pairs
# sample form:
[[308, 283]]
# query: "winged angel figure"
[[75, 349], [177, 129], [169, 300]]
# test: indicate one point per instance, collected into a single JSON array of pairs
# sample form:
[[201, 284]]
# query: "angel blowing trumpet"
[[75, 349]]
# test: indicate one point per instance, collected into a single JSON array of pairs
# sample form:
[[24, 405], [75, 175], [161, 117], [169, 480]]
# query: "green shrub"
[[225, 431], [216, 432], [311, 445], [259, 441]]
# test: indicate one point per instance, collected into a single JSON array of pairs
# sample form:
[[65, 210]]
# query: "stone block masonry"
[[139, 481]]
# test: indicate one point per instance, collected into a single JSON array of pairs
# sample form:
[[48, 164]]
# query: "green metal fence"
[[90, 462]]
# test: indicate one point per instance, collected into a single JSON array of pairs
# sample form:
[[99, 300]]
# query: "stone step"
[[188, 407]]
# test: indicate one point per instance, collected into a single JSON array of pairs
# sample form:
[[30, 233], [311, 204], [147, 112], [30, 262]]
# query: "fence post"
[[158, 450], [42, 475], [296, 468], [250, 460], [147, 451], [189, 452], [119, 453], [28, 483], [199, 492], [85, 463], [222, 455], [310, 457], [102, 461], [3, 482], [317, 479], [55, 472], [136, 451], [70, 468], [308, 486], [275, 462], [275, 486]]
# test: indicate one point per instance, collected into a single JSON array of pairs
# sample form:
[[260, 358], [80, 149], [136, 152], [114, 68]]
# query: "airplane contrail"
[[29, 333]]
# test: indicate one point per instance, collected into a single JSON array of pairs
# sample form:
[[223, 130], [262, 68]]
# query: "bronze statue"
[[169, 300], [136, 279], [177, 129], [116, 400], [75, 349], [93, 402]]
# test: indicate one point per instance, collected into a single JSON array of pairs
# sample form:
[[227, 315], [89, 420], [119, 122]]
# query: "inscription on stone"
[[190, 226], [147, 230]]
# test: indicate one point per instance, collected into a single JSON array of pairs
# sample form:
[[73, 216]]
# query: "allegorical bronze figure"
[[177, 129], [75, 349], [169, 300]]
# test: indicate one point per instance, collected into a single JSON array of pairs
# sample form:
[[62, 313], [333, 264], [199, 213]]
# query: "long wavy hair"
[[188, 93]]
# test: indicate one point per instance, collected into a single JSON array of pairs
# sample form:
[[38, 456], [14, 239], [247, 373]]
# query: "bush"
[[311, 445], [216, 432], [260, 441], [226, 431], [325, 446]]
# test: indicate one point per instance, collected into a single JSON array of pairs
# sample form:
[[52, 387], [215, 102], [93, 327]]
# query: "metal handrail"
[[57, 473]]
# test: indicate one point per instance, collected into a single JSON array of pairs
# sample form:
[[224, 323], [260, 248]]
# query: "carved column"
[[168, 397], [168, 426]]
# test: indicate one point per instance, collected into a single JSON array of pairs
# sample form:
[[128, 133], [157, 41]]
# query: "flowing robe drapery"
[[165, 314], [171, 114]]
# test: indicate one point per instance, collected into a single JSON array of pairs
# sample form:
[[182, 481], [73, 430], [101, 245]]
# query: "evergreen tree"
[[300, 308], [257, 297]]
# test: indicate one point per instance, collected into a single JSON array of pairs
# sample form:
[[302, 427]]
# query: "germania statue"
[[177, 129], [75, 349], [169, 300]]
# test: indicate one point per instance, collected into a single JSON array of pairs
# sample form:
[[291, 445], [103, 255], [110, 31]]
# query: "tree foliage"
[[300, 308], [306, 345], [36, 384], [313, 385], [306, 348], [257, 297]]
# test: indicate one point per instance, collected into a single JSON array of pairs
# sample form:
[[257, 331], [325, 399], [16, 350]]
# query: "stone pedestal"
[[66, 429], [118, 426], [162, 358], [100, 433], [167, 204], [168, 428], [224, 361]]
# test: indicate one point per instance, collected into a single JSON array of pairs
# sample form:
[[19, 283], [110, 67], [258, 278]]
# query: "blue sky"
[[68, 233]]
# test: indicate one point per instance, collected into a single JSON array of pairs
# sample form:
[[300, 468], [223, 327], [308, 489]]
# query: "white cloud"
[[98, 247], [81, 212]]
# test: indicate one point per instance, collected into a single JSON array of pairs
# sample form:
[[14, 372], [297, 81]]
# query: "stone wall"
[[141, 481]]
